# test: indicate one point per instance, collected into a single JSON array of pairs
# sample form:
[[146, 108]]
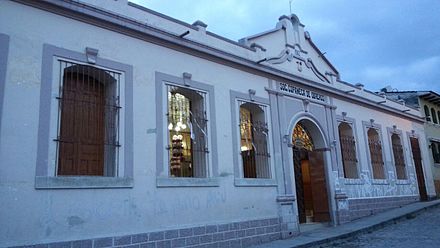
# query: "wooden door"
[[81, 141], [299, 185], [419, 169], [321, 211]]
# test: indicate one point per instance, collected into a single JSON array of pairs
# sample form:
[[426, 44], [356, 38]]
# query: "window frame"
[[46, 169], [352, 123], [391, 131], [239, 179], [366, 126], [163, 178]]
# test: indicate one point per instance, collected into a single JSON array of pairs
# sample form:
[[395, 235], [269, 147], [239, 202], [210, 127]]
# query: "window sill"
[[402, 182], [353, 181], [255, 182], [437, 165], [380, 181], [165, 182], [82, 182]]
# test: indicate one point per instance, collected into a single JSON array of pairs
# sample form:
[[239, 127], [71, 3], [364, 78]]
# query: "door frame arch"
[[320, 140]]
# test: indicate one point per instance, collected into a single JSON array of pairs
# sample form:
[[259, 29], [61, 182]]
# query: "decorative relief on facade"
[[295, 53]]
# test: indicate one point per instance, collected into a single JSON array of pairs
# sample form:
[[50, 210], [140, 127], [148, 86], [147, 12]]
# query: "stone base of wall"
[[437, 187], [358, 208], [237, 234]]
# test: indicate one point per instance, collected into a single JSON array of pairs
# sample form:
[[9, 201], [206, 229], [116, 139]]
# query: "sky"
[[373, 42]]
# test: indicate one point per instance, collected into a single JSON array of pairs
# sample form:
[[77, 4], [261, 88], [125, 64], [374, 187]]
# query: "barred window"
[[435, 148], [375, 148], [348, 150], [253, 140], [187, 130], [398, 154], [434, 116], [88, 130]]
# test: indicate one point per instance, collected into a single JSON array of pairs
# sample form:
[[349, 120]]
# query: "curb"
[[394, 220]]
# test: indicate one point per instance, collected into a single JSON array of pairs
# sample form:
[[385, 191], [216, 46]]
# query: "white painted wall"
[[28, 215]]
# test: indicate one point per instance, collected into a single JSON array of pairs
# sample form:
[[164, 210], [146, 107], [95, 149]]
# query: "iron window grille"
[[375, 147], [398, 154], [187, 132], [348, 150], [254, 134], [88, 120]]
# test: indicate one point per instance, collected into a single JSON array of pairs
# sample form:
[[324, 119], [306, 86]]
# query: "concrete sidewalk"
[[366, 224]]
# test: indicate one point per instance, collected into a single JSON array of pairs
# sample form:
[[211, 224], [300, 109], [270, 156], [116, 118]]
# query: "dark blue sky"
[[373, 42]]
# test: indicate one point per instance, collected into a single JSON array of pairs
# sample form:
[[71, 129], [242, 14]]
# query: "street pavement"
[[421, 231]]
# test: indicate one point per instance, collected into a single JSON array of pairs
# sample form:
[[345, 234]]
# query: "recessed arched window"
[[348, 150], [434, 116], [88, 125], [253, 140], [399, 160], [375, 147], [427, 114]]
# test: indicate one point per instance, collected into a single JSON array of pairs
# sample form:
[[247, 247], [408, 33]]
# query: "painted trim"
[[83, 182], [239, 180], [168, 182], [365, 126], [255, 182], [4, 52], [162, 171], [352, 123], [310, 117], [133, 28], [280, 171], [46, 98]]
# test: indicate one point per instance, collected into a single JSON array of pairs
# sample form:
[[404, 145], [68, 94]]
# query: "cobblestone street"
[[421, 231]]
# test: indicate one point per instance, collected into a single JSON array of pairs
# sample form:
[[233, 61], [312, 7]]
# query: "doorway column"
[[285, 199]]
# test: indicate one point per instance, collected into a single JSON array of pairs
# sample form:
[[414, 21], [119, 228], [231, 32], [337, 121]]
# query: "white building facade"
[[121, 126]]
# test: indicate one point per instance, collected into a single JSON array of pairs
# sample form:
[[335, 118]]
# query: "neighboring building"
[[121, 125], [428, 102]]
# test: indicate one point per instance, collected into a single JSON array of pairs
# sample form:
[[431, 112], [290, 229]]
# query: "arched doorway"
[[310, 177]]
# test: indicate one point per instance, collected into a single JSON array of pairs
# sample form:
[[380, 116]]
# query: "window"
[[251, 137], [253, 140], [427, 115], [435, 148], [375, 147], [434, 116], [398, 154], [348, 150], [85, 134], [187, 131], [438, 114], [186, 153], [88, 121]]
